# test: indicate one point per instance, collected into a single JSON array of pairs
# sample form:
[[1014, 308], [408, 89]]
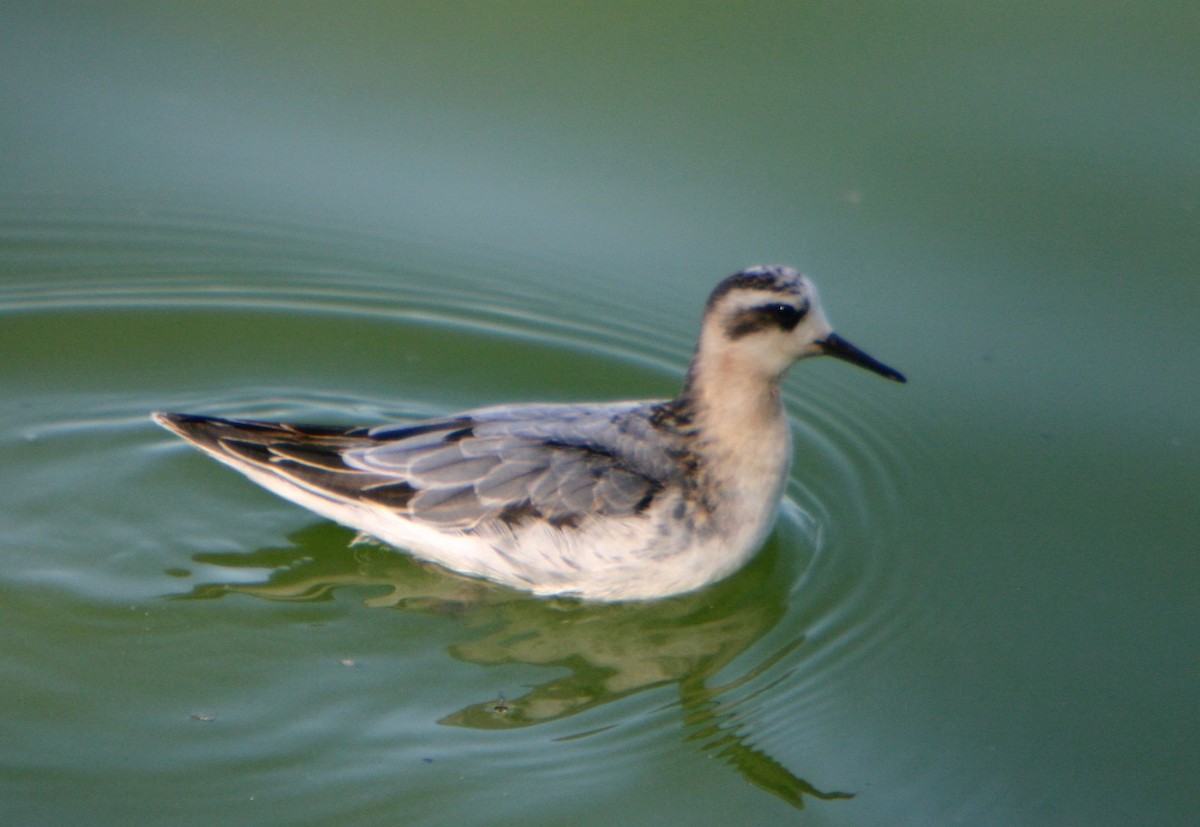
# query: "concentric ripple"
[[106, 320], [183, 262]]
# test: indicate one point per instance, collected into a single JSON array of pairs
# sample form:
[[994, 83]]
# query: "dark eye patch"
[[779, 315], [785, 315]]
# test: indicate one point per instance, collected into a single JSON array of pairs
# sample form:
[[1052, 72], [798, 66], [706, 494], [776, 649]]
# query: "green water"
[[980, 605]]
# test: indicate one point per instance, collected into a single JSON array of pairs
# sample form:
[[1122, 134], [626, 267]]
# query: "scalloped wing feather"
[[485, 473]]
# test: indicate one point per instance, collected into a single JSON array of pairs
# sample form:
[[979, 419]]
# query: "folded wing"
[[477, 473]]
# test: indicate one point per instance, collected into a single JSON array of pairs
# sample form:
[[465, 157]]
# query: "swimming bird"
[[608, 501]]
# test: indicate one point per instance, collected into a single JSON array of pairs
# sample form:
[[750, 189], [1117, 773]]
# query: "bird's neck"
[[737, 413], [723, 393], [742, 441]]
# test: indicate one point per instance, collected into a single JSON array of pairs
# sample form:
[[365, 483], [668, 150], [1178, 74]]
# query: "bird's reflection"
[[609, 651]]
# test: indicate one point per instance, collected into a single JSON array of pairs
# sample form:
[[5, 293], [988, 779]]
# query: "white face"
[[766, 318]]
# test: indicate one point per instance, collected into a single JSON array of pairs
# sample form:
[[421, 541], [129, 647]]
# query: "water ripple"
[[220, 265], [768, 644], [851, 465]]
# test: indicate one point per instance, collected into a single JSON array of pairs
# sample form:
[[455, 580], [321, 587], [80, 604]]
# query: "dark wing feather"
[[507, 465], [309, 456], [474, 472]]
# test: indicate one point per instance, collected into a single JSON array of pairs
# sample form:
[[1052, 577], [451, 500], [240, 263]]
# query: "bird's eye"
[[785, 315], [776, 315]]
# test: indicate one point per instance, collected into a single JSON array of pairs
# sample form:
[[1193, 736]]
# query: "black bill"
[[835, 345]]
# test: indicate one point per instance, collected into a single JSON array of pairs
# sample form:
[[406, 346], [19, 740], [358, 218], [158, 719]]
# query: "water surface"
[[979, 604]]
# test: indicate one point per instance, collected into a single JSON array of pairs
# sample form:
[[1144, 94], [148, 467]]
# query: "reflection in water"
[[610, 651]]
